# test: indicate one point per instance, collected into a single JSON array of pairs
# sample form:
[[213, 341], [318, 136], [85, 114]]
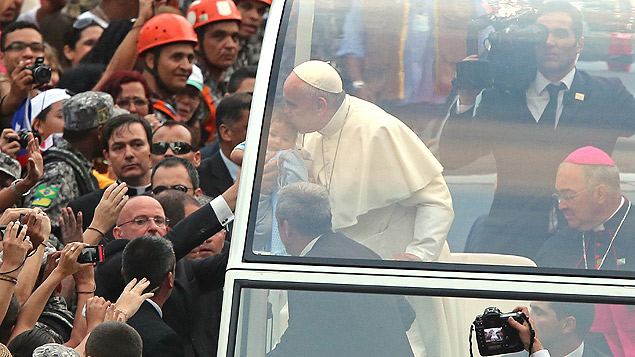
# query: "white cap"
[[320, 75], [46, 99], [196, 78]]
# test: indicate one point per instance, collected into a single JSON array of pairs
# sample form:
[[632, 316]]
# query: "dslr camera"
[[494, 335], [23, 137], [41, 72]]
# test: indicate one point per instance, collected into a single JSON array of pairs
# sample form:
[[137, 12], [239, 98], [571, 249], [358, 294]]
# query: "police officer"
[[67, 164], [166, 48]]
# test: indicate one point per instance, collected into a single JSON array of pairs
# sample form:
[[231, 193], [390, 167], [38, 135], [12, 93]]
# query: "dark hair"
[[306, 207], [82, 78], [72, 37], [148, 257], [10, 319], [113, 84], [195, 142], [174, 202], [123, 120], [584, 315], [14, 26], [26, 342], [239, 76], [174, 161], [114, 338], [230, 109], [564, 6]]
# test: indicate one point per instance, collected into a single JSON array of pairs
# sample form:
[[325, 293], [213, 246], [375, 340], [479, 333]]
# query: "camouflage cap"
[[87, 110], [54, 350], [10, 166]]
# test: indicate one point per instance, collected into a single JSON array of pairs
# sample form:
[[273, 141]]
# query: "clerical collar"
[[541, 83], [231, 166], [601, 226], [337, 121], [309, 246], [137, 191]]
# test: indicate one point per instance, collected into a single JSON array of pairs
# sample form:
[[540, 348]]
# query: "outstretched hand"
[[70, 226], [15, 245], [109, 207], [132, 296]]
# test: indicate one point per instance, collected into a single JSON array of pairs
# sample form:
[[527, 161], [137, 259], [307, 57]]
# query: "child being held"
[[291, 168]]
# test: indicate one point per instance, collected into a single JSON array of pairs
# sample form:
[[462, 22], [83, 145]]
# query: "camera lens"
[[42, 74]]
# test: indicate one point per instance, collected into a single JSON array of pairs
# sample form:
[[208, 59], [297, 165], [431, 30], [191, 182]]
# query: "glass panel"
[[413, 174], [320, 323]]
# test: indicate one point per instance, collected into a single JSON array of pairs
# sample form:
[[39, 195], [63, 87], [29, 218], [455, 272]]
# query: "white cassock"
[[385, 186]]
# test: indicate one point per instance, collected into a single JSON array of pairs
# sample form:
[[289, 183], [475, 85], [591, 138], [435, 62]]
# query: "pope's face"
[[301, 108]]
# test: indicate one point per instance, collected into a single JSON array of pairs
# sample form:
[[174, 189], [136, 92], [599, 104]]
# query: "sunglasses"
[[177, 147], [84, 23], [181, 188], [21, 46]]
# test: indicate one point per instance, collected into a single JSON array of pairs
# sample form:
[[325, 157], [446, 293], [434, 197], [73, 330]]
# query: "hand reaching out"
[[132, 297], [35, 165], [68, 264], [96, 311], [15, 245], [71, 227], [109, 207]]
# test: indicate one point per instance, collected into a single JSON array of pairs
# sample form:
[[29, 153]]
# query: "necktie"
[[548, 117]]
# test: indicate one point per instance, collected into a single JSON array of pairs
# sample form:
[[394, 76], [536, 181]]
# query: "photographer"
[[531, 129], [21, 43], [537, 349]]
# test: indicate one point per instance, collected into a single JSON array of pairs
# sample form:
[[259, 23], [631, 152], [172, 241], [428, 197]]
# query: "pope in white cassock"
[[385, 186]]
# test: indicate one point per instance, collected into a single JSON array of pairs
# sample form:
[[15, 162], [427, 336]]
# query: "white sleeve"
[[433, 219], [222, 210]]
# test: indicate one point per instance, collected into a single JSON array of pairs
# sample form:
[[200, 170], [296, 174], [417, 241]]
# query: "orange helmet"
[[268, 2], [203, 12], [163, 29]]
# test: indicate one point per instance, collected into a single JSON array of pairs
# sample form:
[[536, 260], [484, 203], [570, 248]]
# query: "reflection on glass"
[[321, 323], [498, 134]]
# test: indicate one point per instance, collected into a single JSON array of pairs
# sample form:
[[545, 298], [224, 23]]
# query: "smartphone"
[[91, 254]]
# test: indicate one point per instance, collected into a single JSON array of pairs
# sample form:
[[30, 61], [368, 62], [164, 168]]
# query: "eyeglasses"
[[143, 221], [568, 198], [181, 188], [128, 102], [21, 46], [84, 23], [177, 147]]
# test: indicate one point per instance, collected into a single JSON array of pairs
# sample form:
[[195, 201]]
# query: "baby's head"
[[282, 133]]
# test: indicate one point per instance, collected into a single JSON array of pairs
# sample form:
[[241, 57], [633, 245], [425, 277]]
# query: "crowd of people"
[[107, 153], [135, 142]]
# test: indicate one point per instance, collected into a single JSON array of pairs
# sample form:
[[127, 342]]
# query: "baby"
[[291, 168]]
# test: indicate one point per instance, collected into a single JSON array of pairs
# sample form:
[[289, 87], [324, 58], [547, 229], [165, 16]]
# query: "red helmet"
[[203, 12], [163, 29]]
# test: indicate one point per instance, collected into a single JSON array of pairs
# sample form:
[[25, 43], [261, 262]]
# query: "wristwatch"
[[359, 84], [15, 191]]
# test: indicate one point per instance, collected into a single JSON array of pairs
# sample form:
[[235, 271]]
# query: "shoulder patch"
[[44, 196]]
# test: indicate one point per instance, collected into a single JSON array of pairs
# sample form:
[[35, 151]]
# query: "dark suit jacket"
[[158, 338], [595, 111], [564, 249], [193, 277], [345, 324], [215, 178]]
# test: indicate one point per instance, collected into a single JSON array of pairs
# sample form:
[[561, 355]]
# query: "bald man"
[[143, 215], [387, 193]]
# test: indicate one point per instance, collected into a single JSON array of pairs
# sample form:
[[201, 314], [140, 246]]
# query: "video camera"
[[494, 335], [509, 62]]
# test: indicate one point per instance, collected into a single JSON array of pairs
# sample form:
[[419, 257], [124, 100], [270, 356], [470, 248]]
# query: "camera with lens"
[[509, 61], [23, 137], [494, 335], [41, 72]]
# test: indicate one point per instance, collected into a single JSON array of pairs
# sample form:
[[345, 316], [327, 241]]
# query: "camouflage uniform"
[[10, 166], [54, 349], [248, 52], [218, 87], [59, 185], [67, 173]]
